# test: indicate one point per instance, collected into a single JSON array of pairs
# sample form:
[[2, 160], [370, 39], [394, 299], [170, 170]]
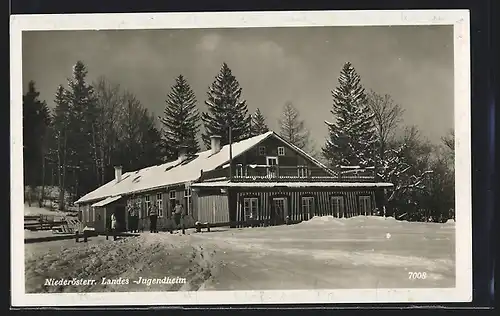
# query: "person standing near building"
[[113, 226], [135, 217], [179, 215], [153, 217], [130, 212]]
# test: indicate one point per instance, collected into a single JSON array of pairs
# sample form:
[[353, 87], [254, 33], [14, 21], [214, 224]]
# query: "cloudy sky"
[[414, 64]]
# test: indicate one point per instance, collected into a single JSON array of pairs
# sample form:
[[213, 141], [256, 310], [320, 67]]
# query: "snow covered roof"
[[106, 201], [178, 172], [225, 184]]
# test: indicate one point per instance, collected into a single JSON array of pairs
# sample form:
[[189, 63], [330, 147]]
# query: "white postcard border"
[[459, 18]]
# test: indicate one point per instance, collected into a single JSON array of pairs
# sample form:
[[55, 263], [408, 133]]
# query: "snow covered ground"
[[323, 253], [326, 253]]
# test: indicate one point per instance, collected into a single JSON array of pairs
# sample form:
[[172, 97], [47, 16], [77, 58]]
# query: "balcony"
[[297, 173]]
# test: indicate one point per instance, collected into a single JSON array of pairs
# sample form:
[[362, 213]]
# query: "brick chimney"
[[215, 143], [118, 174]]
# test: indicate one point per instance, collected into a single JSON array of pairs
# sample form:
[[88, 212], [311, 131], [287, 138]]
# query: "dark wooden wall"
[[291, 157], [322, 205], [253, 157], [216, 207]]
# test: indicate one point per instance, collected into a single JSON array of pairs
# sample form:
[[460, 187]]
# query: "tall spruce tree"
[[352, 137], [60, 133], [225, 109], [36, 121], [82, 141], [258, 125], [180, 120]]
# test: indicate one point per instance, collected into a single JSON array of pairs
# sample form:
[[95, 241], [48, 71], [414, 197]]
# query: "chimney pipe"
[[182, 153], [215, 143], [118, 174]]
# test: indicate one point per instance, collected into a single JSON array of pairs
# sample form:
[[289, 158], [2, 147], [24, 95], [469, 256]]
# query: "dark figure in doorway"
[[153, 218], [113, 227], [179, 214]]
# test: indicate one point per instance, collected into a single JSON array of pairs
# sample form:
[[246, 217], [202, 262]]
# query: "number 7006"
[[417, 275]]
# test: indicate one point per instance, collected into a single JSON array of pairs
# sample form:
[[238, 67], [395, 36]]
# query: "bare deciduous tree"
[[109, 102], [387, 115], [449, 140], [292, 127]]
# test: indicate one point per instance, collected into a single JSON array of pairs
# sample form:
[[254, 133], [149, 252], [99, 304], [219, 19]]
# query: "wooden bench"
[[74, 226], [200, 226]]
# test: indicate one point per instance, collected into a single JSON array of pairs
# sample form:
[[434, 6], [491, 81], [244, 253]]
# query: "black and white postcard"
[[241, 158]]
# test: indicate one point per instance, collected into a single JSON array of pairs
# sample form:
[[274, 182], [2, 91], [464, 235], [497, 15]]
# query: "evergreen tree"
[[352, 137], [60, 131], [82, 137], [258, 124], [225, 109], [151, 142], [180, 120], [36, 122], [292, 128]]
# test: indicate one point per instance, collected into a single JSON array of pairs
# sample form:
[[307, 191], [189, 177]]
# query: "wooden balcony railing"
[[295, 173]]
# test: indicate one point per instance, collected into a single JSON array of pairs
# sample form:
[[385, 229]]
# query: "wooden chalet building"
[[263, 180]]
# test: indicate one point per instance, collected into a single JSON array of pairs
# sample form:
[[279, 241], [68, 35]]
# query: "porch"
[[98, 214]]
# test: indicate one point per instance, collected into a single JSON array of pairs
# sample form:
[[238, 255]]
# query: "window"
[[365, 207], [172, 198], [147, 204], [272, 162], [307, 207], [159, 204], [281, 151], [172, 195], [93, 213], [302, 171], [138, 204], [187, 200], [337, 205], [240, 171], [250, 208], [262, 150]]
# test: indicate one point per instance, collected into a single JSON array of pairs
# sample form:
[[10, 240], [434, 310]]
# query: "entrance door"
[[120, 218], [250, 209], [271, 162], [280, 210]]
